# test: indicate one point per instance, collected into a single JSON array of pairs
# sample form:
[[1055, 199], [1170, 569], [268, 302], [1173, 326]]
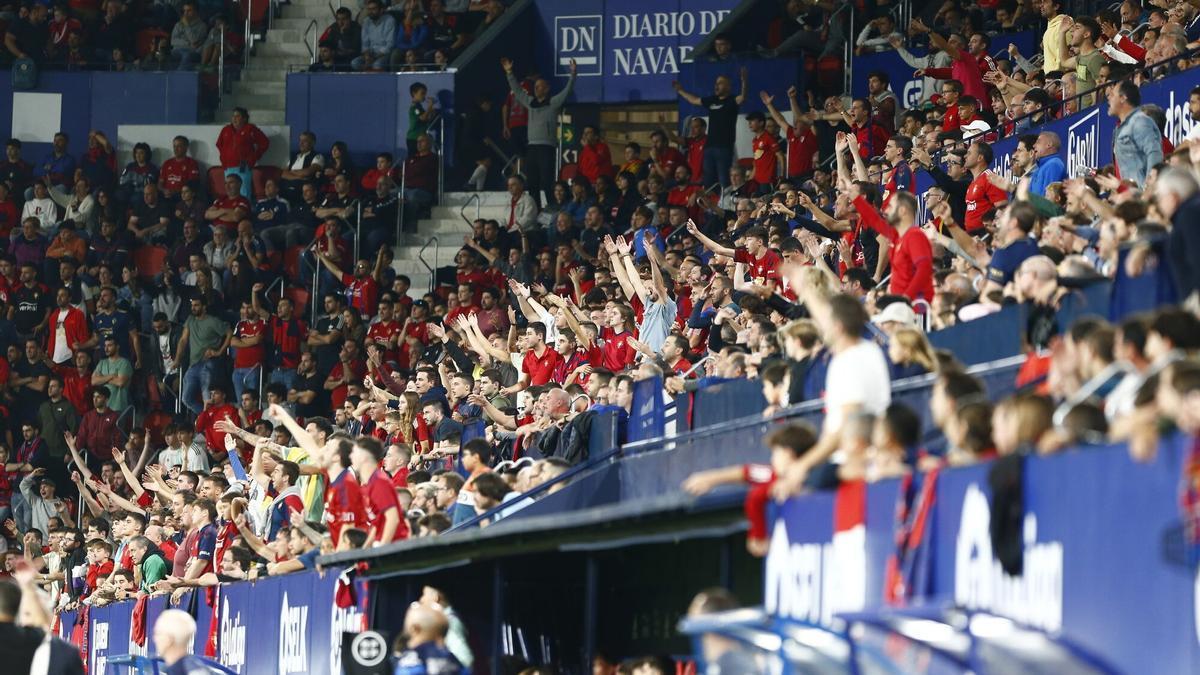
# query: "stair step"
[[313, 11], [278, 62], [296, 23], [250, 87], [288, 36], [485, 198], [469, 210], [263, 75], [286, 49], [261, 116], [255, 101]]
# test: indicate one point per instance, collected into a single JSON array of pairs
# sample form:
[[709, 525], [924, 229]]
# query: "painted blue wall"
[[104, 100], [369, 111]]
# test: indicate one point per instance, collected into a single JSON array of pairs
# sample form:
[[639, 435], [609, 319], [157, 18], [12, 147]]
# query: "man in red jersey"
[[982, 195], [801, 137], [767, 156], [343, 498], [362, 289], [178, 171], [910, 255], [385, 516], [540, 360], [249, 347], [595, 160]]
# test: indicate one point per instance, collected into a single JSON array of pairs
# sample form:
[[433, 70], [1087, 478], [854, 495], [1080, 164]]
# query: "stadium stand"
[[480, 336]]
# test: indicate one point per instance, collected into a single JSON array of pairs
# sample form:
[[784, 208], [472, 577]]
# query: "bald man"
[[424, 640], [174, 632]]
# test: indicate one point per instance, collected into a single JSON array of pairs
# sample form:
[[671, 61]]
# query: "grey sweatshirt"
[[543, 118]]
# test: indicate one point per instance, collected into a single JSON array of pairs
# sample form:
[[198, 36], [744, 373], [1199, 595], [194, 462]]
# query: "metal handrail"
[[441, 157], [267, 290], [316, 285], [247, 39], [462, 212], [220, 73], [401, 202], [312, 50], [357, 233], [421, 257]]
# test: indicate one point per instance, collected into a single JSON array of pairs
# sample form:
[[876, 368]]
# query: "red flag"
[[79, 633], [213, 598], [137, 631]]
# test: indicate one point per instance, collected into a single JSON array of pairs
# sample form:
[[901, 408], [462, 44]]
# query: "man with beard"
[[307, 391], [67, 330], [911, 255]]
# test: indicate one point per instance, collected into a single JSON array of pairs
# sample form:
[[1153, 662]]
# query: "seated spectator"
[[378, 35]]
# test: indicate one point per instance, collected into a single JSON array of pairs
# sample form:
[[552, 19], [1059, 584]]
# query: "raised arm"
[[744, 76], [690, 98], [708, 242]]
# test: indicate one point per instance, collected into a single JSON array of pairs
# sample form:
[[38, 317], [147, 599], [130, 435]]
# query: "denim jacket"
[[1137, 146]]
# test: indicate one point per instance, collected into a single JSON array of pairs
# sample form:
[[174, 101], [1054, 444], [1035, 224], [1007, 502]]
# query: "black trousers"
[[540, 168]]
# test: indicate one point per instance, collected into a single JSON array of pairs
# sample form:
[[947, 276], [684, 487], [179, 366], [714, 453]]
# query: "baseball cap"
[[897, 312]]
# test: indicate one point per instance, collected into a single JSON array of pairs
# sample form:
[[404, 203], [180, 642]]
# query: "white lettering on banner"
[[649, 60], [233, 638], [579, 38], [814, 581], [582, 38], [99, 644], [1179, 123], [1002, 165], [345, 620], [1083, 145], [1035, 598], [914, 91], [293, 638]]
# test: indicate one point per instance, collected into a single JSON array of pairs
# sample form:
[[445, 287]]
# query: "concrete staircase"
[[447, 223], [261, 89]]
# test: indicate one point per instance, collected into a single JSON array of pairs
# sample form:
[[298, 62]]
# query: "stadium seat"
[[291, 262], [259, 177], [144, 42], [258, 12], [216, 182], [154, 425], [299, 297], [149, 261], [568, 171]]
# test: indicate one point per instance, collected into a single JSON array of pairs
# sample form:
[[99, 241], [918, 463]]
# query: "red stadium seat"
[[291, 262], [154, 425], [259, 176], [568, 171], [746, 163], [144, 42], [258, 12], [216, 182], [299, 297], [149, 261]]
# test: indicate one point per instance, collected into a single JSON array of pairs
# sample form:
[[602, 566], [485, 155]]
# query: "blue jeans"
[[247, 183], [195, 384], [717, 162], [246, 379], [20, 512], [284, 376]]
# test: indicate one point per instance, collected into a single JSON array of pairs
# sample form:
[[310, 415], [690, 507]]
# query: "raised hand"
[[506, 63], [766, 98], [225, 426], [118, 455], [622, 246]]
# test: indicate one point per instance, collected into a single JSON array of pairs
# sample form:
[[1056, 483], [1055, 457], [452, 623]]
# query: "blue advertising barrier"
[[1103, 555], [626, 50], [287, 624], [909, 89], [648, 418]]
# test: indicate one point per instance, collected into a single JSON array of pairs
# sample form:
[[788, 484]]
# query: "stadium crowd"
[[175, 414]]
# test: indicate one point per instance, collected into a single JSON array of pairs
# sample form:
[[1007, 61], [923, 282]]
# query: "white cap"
[[897, 312]]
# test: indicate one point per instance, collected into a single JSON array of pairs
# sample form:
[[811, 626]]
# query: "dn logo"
[[914, 90], [579, 38], [1083, 145]]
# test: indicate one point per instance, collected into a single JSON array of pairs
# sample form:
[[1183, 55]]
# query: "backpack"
[[24, 74]]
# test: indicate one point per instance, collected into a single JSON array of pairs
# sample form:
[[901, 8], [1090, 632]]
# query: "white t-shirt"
[[858, 375], [62, 351]]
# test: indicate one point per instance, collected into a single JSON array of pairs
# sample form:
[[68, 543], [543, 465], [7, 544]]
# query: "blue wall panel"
[[104, 100], [369, 111]]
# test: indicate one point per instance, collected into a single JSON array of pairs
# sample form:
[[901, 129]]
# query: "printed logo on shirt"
[[580, 38], [1083, 145]]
